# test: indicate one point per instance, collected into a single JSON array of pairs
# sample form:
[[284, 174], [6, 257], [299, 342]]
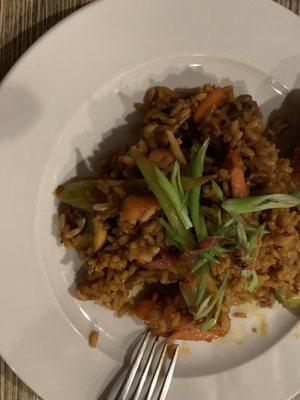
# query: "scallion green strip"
[[194, 194], [176, 182], [173, 196], [198, 264], [203, 307], [225, 229], [173, 214], [211, 322], [241, 232], [202, 283], [181, 242], [217, 190], [219, 218], [259, 203]]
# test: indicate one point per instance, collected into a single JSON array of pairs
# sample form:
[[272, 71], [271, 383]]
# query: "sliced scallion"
[[209, 323], [259, 203], [194, 194], [174, 197], [181, 242], [217, 190], [172, 212], [202, 283]]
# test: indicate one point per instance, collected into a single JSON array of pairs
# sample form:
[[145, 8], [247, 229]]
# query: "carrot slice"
[[193, 332], [214, 98], [238, 182], [144, 309]]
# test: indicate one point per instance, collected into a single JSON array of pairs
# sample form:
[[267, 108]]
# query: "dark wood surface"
[[22, 22]]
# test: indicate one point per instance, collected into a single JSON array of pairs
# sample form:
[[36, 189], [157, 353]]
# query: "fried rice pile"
[[132, 260]]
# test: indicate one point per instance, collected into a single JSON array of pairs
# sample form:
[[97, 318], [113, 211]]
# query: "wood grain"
[[22, 22]]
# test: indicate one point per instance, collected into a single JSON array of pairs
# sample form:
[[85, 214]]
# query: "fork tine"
[[157, 372], [145, 371], [167, 381], [127, 382]]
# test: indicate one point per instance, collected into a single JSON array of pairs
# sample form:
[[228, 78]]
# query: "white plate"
[[67, 95]]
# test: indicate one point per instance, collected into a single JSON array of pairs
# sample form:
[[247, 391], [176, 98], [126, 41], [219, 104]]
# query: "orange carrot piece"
[[238, 182], [214, 98], [138, 208], [144, 309], [193, 332]]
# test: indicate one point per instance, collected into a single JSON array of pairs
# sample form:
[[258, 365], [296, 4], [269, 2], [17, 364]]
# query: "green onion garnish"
[[217, 190], [177, 183], [174, 197], [202, 310], [259, 203], [219, 296], [202, 283], [194, 194], [226, 228], [241, 232], [181, 242], [167, 197]]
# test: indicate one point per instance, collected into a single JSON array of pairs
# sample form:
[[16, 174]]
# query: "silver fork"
[[130, 376]]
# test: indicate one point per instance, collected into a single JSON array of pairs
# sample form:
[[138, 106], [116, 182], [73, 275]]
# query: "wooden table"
[[21, 23]]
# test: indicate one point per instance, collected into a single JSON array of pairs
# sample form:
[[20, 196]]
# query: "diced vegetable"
[[238, 182], [214, 98], [138, 208], [252, 279], [259, 203], [144, 309], [192, 332], [194, 194], [287, 299], [77, 194]]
